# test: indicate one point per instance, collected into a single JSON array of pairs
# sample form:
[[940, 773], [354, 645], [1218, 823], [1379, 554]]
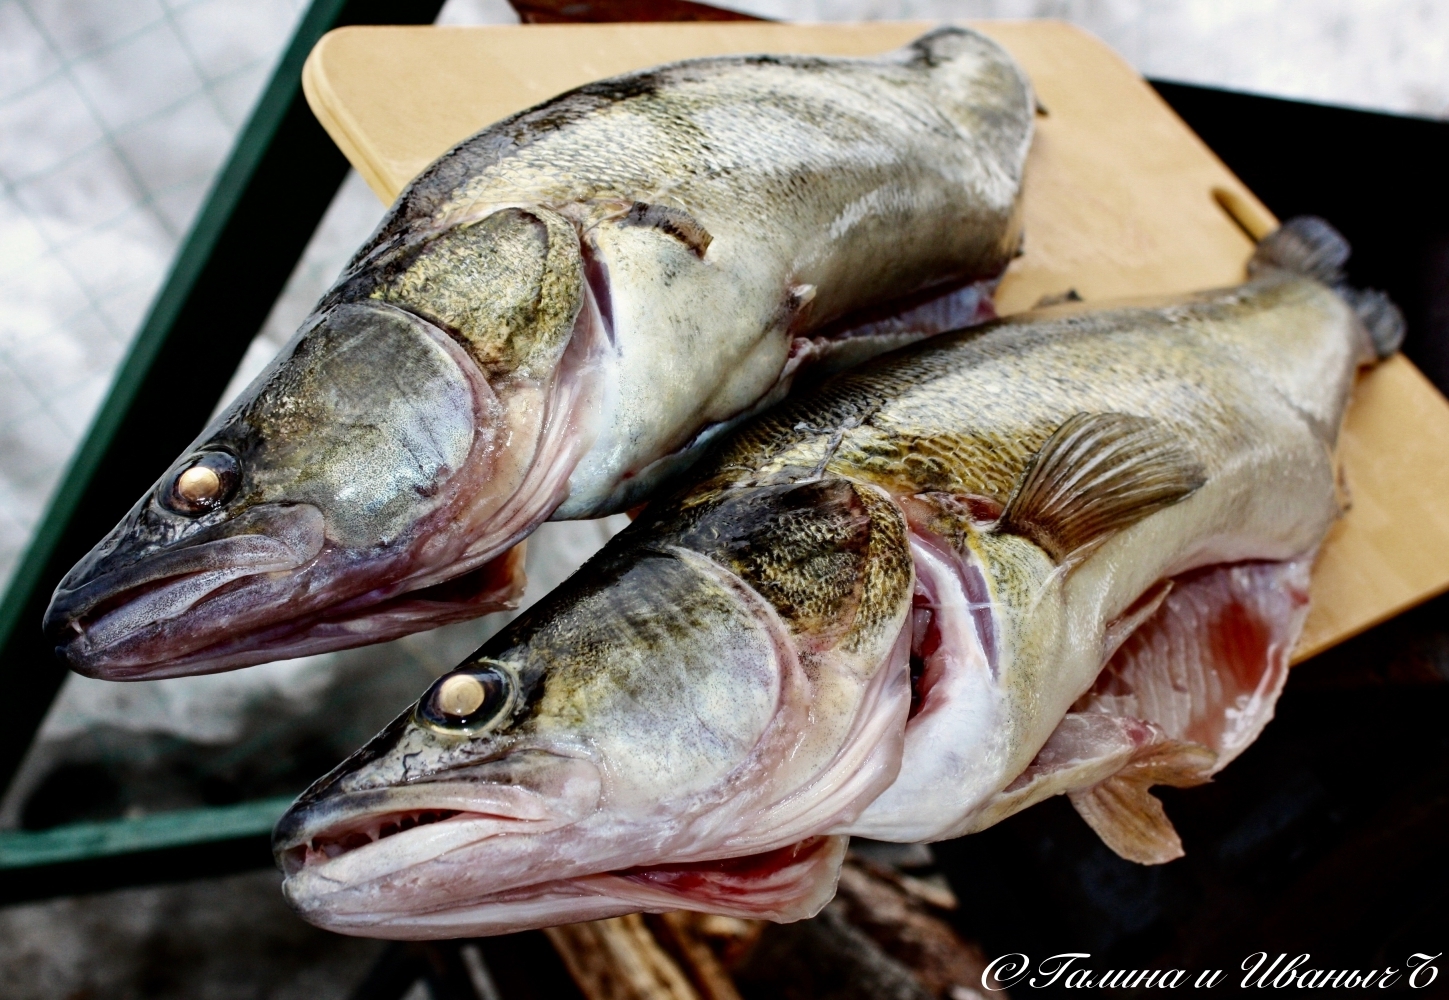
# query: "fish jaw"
[[151, 600], [148, 647], [790, 883], [732, 813]]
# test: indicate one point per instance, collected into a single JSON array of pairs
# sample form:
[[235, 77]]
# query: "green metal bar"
[[254, 225], [191, 257], [84, 841]]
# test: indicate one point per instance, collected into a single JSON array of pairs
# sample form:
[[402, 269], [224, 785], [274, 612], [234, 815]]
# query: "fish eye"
[[469, 700], [202, 485]]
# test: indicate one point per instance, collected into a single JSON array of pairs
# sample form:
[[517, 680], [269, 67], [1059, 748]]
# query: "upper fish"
[[557, 314], [1066, 553]]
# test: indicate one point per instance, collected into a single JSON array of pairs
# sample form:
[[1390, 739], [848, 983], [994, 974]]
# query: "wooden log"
[[679, 933], [618, 959]]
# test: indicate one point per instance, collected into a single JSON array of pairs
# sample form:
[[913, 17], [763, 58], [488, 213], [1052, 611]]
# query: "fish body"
[[1063, 553], [557, 314]]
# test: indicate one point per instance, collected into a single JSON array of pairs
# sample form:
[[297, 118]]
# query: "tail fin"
[[941, 45], [1383, 320], [1309, 246], [1305, 245]]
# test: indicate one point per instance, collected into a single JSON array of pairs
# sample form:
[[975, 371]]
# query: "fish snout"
[[352, 837], [108, 607]]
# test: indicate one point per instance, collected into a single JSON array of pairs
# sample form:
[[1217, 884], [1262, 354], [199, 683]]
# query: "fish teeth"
[[335, 845]]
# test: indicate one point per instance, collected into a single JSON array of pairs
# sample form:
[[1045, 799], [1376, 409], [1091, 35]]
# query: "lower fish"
[[1065, 554]]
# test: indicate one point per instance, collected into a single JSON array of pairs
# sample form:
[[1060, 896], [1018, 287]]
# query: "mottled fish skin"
[[558, 313], [736, 204], [1037, 509]]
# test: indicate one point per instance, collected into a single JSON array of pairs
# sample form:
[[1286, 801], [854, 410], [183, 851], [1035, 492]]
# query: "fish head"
[[665, 732], [372, 480]]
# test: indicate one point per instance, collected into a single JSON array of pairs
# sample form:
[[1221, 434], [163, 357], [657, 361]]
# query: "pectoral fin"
[[1097, 474], [674, 221]]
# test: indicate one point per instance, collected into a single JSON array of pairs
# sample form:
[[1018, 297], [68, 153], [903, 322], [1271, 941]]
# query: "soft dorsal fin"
[[1097, 474]]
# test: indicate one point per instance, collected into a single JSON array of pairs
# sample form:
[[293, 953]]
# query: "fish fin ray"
[[1310, 246], [1097, 474], [1123, 811], [938, 46], [1383, 320]]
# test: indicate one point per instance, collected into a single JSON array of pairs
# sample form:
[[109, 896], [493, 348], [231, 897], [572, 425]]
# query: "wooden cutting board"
[[1121, 199]]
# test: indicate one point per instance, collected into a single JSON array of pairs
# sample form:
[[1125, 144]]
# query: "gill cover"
[[507, 286]]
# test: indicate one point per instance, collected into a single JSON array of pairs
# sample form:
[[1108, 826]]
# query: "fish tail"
[[1309, 246], [1381, 318], [1305, 245]]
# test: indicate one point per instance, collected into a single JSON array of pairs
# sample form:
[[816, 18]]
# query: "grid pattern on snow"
[[114, 118]]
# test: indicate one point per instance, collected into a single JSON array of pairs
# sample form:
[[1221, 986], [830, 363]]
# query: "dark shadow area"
[[1324, 837]]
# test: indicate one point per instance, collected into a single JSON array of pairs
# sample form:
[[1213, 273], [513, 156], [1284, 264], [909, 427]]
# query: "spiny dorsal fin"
[[1097, 474]]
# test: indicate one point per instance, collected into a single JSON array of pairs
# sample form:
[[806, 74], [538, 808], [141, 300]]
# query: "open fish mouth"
[[408, 900], [785, 884], [334, 843]]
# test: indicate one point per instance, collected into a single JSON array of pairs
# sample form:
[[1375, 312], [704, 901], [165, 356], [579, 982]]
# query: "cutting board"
[[1122, 199]]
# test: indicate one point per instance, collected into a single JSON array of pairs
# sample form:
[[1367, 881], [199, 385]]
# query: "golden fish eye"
[[460, 695], [207, 482], [469, 701], [198, 484]]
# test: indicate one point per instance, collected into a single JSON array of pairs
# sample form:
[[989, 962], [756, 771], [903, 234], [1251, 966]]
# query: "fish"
[[556, 316], [1063, 553]]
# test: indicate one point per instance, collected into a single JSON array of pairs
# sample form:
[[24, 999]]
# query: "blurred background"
[[115, 117]]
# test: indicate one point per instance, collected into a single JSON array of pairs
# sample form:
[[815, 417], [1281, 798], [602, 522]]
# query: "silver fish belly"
[[1064, 554], [557, 314]]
